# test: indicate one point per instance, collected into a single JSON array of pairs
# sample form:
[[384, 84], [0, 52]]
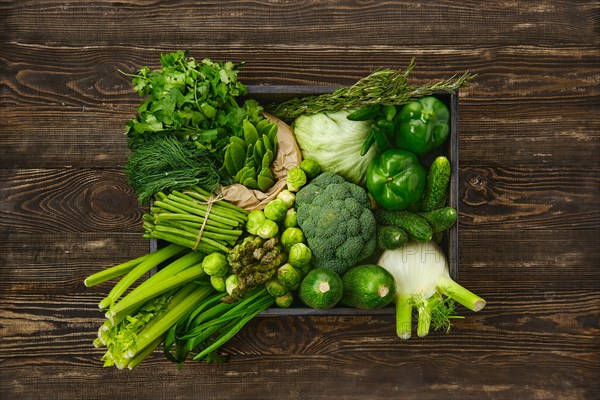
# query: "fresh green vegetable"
[[291, 218], [384, 86], [337, 222], [284, 301], [365, 113], [296, 178], [422, 125], [275, 288], [165, 163], [218, 283], [253, 261], [248, 160], [335, 142], [289, 276], [179, 134], [287, 197], [367, 286], [310, 167], [415, 226], [396, 179], [215, 264], [196, 220], [300, 256], [391, 237], [268, 229], [438, 179], [211, 324], [292, 236], [420, 272], [321, 289], [441, 219], [256, 218], [276, 210]]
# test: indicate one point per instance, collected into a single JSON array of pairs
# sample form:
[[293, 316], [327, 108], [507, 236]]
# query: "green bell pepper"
[[396, 179], [422, 125]]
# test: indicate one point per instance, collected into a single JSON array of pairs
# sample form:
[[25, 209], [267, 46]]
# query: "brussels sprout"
[[287, 197], [310, 167], [300, 255], [305, 269], [268, 229], [291, 218], [284, 301], [275, 288], [218, 283], [255, 220], [231, 283], [275, 210], [288, 276], [296, 178], [291, 236], [215, 264]]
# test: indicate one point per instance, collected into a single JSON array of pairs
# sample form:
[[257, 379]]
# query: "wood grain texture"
[[528, 199]]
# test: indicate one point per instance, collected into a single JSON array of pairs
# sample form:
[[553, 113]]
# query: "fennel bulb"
[[422, 278]]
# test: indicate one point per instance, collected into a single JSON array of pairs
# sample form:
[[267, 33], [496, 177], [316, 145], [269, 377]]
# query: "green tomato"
[[300, 255], [291, 236], [275, 210], [215, 264], [255, 221], [396, 179], [296, 178]]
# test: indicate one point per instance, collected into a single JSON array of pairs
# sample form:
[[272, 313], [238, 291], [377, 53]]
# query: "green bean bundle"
[[195, 219]]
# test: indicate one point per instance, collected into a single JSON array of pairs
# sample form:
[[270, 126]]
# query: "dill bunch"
[[384, 86], [165, 163]]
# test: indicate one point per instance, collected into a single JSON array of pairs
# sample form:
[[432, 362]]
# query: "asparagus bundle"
[[195, 219]]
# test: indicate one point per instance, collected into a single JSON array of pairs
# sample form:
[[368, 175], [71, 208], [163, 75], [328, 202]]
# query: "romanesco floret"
[[336, 219]]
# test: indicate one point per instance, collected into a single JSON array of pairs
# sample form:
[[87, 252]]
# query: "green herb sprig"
[[384, 86]]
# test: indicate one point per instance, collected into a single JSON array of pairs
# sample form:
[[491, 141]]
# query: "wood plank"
[[89, 200], [244, 23], [348, 353], [81, 109]]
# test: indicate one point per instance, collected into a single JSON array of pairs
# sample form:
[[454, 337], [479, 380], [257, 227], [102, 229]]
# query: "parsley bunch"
[[188, 114], [193, 100]]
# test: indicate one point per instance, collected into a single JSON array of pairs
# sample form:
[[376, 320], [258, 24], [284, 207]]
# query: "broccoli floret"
[[337, 222]]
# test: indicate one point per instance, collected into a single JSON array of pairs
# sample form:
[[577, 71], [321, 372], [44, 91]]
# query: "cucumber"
[[415, 226], [366, 113], [391, 237], [440, 219], [321, 289], [367, 286], [436, 189]]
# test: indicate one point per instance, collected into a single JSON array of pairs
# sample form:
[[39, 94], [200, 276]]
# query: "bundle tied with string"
[[209, 203], [288, 156]]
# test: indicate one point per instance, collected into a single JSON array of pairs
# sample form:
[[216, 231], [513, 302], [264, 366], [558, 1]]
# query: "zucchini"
[[367, 286], [415, 226], [391, 237], [366, 113], [321, 289], [440, 219], [436, 189]]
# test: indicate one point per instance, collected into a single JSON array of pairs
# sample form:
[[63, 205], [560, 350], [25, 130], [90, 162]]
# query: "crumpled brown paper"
[[288, 156]]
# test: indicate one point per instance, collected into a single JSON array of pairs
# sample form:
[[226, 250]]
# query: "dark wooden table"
[[529, 194]]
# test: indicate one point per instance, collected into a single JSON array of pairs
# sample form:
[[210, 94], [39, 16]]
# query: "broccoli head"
[[337, 221]]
